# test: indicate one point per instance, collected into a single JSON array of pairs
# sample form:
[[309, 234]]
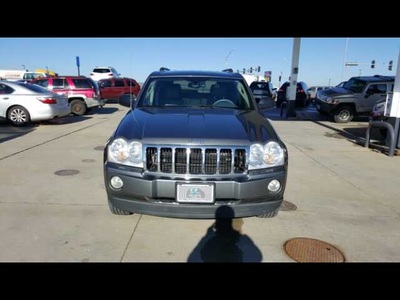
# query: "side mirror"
[[126, 100]]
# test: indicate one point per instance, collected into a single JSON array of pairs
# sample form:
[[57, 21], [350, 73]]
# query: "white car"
[[103, 72], [22, 103]]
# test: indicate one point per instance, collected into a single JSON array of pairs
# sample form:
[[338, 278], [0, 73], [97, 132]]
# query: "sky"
[[321, 60]]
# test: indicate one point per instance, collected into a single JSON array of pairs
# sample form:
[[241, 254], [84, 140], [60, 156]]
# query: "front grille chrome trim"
[[174, 159]]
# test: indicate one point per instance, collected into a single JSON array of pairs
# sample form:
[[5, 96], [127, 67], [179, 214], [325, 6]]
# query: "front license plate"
[[195, 193]]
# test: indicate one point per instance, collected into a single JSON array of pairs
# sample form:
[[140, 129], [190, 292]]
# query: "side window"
[[377, 89], [119, 83], [58, 83], [131, 83], [43, 83], [106, 83], [81, 83], [5, 89]]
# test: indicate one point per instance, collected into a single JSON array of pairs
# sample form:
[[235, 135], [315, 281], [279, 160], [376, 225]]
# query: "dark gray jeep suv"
[[192, 142]]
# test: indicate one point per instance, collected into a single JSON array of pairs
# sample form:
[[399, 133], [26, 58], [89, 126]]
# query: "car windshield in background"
[[194, 92], [355, 85]]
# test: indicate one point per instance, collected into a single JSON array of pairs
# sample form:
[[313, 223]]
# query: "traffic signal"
[[251, 69], [258, 69], [390, 65], [373, 64], [244, 71]]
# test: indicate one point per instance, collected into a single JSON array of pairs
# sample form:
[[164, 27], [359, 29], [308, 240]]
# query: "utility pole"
[[290, 112]]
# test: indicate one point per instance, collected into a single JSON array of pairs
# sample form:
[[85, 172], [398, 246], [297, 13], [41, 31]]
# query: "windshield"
[[196, 92], [355, 85]]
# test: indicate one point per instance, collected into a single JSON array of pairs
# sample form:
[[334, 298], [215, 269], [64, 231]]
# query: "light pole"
[[23, 66], [329, 84], [344, 58], [226, 58]]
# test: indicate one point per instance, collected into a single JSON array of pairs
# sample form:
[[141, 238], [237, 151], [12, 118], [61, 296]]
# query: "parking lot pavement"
[[53, 204]]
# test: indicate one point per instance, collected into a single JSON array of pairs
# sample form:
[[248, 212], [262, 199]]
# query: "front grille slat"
[[196, 160]]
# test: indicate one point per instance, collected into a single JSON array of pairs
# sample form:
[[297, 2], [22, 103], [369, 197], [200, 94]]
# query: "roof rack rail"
[[164, 69], [383, 76], [228, 70]]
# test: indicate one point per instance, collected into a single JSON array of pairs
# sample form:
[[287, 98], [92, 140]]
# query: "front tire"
[[18, 116], [117, 211], [344, 114], [78, 107]]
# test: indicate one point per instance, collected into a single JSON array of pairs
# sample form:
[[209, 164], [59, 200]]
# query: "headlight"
[[269, 155], [333, 101], [127, 153]]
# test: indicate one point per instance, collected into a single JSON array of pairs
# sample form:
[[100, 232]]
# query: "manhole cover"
[[67, 172], [88, 160], [312, 250], [100, 148], [287, 206]]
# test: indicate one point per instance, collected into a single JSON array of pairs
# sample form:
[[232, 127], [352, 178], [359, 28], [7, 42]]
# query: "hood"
[[205, 126], [336, 91]]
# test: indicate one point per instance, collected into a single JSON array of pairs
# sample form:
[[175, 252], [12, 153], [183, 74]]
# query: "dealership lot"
[[53, 205]]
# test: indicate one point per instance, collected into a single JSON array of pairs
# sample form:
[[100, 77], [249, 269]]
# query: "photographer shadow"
[[224, 241]]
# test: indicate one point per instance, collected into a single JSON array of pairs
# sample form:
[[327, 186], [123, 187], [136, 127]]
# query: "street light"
[[344, 58], [23, 66], [226, 58]]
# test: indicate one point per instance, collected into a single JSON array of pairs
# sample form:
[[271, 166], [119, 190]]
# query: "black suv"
[[357, 97], [194, 141], [301, 94]]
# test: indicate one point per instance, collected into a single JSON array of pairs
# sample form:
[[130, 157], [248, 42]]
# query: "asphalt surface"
[[53, 204]]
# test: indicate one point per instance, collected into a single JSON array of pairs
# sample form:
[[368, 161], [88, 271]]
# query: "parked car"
[[103, 72], [312, 91], [263, 93], [83, 93], [22, 103], [113, 88], [192, 142], [301, 94], [357, 97]]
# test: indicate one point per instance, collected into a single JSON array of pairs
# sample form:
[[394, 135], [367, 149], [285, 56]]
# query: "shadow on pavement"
[[102, 110], [224, 241], [65, 120], [9, 132]]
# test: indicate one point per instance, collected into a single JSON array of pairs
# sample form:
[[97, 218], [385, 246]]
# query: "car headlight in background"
[[265, 156], [123, 152]]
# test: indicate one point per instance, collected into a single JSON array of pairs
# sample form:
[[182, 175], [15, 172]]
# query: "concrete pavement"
[[346, 195]]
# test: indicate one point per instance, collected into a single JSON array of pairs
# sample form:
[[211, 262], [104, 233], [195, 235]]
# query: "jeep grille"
[[195, 161]]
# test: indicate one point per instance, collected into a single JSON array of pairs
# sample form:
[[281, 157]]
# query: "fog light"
[[116, 182], [274, 185]]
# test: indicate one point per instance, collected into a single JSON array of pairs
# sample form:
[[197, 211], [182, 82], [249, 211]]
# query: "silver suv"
[[192, 142], [357, 97]]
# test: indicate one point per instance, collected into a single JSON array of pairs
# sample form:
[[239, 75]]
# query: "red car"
[[113, 88]]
